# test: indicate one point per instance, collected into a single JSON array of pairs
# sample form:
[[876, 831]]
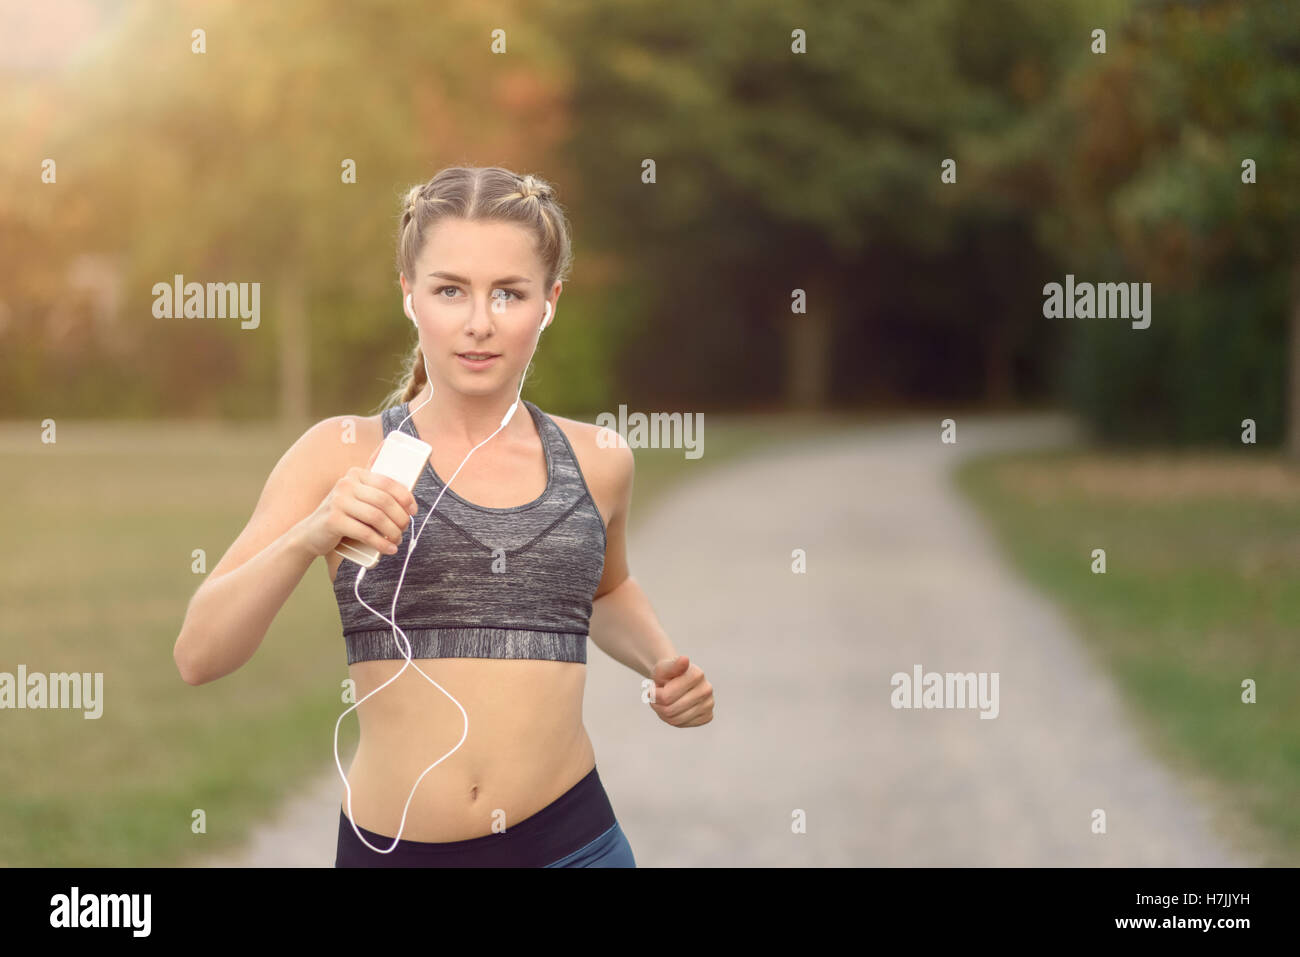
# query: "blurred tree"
[[1166, 121], [778, 170], [228, 165]]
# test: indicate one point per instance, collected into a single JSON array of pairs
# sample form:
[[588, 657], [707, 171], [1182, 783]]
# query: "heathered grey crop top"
[[485, 582]]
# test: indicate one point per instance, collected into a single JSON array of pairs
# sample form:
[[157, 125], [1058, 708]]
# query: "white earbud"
[[546, 319], [410, 309]]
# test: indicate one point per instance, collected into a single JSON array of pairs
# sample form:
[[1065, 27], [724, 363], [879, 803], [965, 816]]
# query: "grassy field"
[[108, 518], [1201, 592]]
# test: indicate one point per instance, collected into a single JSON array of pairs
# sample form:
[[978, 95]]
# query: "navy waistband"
[[576, 818]]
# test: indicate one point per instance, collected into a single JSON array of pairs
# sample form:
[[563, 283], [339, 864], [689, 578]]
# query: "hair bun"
[[530, 188]]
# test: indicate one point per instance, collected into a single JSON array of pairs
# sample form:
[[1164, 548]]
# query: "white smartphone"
[[402, 459]]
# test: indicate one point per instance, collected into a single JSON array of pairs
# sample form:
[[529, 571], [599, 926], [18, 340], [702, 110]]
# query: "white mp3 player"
[[401, 458]]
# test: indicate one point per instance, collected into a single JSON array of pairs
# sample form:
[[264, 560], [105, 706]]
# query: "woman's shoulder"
[[335, 444], [300, 480], [604, 457], [590, 438]]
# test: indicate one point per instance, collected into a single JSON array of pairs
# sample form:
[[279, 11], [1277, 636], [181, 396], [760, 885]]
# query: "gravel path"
[[900, 572]]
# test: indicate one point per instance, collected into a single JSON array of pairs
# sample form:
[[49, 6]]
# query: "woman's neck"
[[462, 420]]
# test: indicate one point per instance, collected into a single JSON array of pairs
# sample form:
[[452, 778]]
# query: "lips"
[[477, 365]]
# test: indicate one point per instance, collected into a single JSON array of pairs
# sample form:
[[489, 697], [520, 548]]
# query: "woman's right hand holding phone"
[[365, 506]]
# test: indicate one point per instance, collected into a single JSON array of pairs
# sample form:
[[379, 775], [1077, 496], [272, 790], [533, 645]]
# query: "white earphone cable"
[[405, 642]]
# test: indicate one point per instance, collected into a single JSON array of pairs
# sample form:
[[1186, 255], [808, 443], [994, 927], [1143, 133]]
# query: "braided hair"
[[478, 193]]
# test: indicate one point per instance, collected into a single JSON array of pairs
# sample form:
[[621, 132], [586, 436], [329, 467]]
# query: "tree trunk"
[[1293, 367], [294, 347], [998, 391], [807, 350]]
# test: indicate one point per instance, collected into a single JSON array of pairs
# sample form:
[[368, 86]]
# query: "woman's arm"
[[623, 625], [229, 615]]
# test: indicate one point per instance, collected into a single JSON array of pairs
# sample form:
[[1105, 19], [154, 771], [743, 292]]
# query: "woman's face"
[[478, 290]]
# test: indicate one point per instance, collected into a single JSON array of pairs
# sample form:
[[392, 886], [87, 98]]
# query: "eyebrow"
[[461, 279]]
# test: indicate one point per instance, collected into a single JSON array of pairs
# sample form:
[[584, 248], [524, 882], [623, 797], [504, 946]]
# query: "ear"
[[407, 305], [551, 307]]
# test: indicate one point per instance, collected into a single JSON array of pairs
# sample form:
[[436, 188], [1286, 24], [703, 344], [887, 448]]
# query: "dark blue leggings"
[[611, 849], [577, 829]]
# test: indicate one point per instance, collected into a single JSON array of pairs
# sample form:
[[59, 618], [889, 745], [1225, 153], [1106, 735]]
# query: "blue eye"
[[441, 289]]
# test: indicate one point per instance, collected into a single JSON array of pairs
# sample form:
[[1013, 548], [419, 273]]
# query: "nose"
[[481, 317]]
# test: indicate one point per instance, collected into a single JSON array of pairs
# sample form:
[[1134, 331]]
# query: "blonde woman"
[[522, 559]]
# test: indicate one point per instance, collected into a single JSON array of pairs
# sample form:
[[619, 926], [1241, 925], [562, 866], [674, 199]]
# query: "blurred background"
[[797, 147]]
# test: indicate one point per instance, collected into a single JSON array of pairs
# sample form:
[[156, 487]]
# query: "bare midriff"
[[525, 745]]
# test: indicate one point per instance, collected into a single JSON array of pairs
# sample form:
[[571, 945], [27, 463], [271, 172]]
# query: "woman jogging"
[[517, 565]]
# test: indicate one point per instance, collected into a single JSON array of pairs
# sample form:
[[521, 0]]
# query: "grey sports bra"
[[485, 582]]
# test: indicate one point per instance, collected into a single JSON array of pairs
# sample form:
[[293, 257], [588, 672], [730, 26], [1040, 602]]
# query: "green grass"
[[1200, 592], [107, 519]]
